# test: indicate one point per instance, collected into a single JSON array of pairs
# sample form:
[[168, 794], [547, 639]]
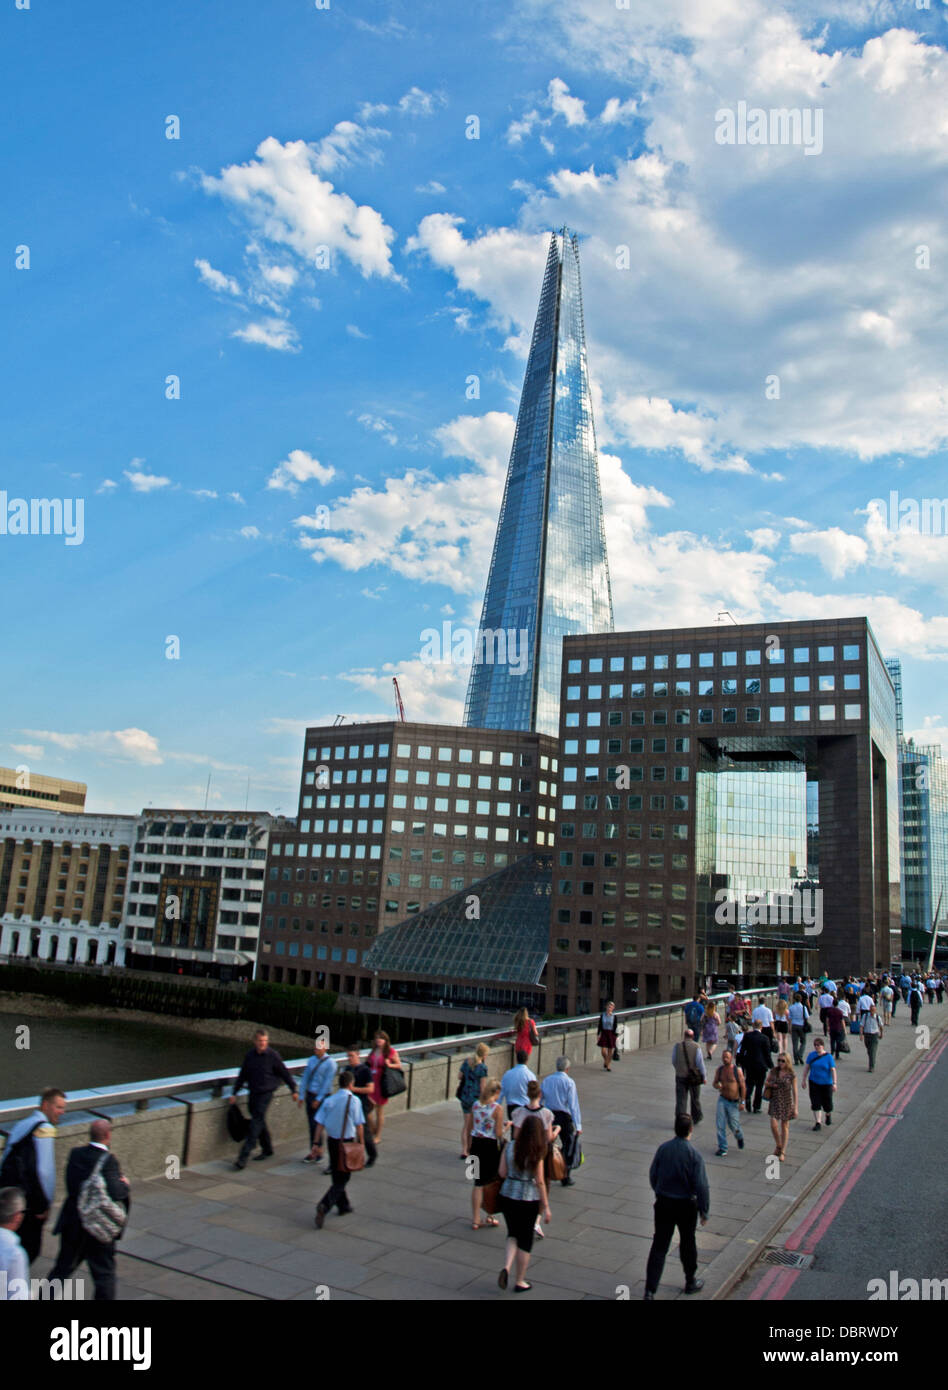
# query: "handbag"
[[351, 1152], [556, 1169], [392, 1082], [490, 1196]]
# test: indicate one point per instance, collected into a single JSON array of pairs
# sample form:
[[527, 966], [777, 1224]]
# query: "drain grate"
[[788, 1259]]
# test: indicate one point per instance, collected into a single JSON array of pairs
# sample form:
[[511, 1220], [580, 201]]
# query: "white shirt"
[[844, 1008], [826, 1001], [14, 1264], [865, 1003], [763, 1013]]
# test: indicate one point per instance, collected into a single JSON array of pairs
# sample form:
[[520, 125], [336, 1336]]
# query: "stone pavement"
[[217, 1234]]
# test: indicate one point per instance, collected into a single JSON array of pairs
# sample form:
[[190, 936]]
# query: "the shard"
[[549, 574]]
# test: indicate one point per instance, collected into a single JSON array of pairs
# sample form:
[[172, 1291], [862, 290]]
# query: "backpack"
[[100, 1216]]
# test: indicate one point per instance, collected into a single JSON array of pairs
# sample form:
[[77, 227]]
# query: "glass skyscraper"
[[549, 574]]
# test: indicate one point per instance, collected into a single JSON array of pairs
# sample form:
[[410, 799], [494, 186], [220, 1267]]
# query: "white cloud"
[[518, 130], [29, 750], [347, 143], [273, 333], [107, 485], [133, 744], [250, 533], [377, 425], [216, 279], [416, 102], [145, 482], [284, 198], [236, 497], [355, 331], [933, 730], [203, 492], [299, 467], [615, 111], [283, 276], [432, 186], [763, 537], [570, 108], [837, 550]]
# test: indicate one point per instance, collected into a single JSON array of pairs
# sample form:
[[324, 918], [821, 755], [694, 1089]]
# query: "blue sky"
[[324, 260]]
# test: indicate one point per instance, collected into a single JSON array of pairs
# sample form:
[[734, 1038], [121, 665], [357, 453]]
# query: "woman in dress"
[[780, 1088], [606, 1041], [782, 1027], [709, 1027], [525, 1032], [523, 1196], [473, 1071], [382, 1055], [487, 1131]]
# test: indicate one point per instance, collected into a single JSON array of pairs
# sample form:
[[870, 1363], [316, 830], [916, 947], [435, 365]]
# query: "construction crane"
[[399, 707]]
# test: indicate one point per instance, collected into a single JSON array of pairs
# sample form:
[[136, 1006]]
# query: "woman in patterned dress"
[[780, 1088]]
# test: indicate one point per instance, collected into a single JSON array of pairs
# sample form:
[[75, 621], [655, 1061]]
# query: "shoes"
[[648, 1297], [240, 1166], [309, 1159], [740, 1143], [829, 1119], [258, 1158], [327, 1172], [347, 1211], [720, 1153], [320, 1217], [694, 1286], [538, 1231], [568, 1182], [816, 1126], [462, 1157], [522, 1288], [502, 1279], [370, 1161]]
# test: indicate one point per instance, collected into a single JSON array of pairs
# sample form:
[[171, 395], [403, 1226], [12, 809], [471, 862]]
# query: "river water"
[[79, 1053]]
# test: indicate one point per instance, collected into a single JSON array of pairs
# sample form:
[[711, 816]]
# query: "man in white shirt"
[[865, 1003], [14, 1266], [766, 1018], [826, 1002], [843, 1006]]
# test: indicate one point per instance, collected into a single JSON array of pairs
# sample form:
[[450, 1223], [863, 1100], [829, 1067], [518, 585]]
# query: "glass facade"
[[549, 574]]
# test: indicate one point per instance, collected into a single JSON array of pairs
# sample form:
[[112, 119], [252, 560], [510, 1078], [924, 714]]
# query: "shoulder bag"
[[392, 1082], [351, 1152]]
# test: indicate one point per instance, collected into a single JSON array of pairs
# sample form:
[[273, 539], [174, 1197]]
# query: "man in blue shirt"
[[315, 1085], [29, 1164], [820, 1070], [513, 1086], [680, 1184], [559, 1094], [339, 1117], [14, 1266]]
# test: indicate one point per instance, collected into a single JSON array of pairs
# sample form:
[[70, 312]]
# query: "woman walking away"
[[382, 1055], [487, 1131], [915, 1003], [780, 1089], [709, 1028], [797, 1016], [473, 1071], [523, 1196], [782, 1027], [526, 1037], [872, 1030], [606, 1042], [535, 1106]]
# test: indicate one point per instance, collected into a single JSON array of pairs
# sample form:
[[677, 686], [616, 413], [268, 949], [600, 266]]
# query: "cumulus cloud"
[[416, 102], [275, 333], [134, 745], [378, 425], [299, 467], [216, 279], [562, 104], [145, 482]]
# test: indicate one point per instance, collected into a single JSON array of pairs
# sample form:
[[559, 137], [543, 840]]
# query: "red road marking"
[[765, 1283]]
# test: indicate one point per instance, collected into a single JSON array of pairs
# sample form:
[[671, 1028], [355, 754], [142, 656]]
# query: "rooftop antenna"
[[207, 790], [723, 613]]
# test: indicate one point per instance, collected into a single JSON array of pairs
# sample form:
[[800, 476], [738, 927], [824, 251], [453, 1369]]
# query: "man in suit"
[[76, 1244], [29, 1164], [755, 1061]]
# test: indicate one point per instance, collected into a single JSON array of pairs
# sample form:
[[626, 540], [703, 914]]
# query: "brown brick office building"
[[392, 818], [703, 765]]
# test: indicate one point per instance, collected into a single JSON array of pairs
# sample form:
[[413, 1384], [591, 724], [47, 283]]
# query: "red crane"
[[399, 707]]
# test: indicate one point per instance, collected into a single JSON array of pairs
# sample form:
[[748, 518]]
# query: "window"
[[801, 713], [637, 690], [851, 682], [752, 658], [777, 685], [659, 688], [594, 692], [595, 665], [617, 663], [572, 693], [825, 654], [850, 653], [706, 658], [660, 716], [752, 685], [638, 663], [682, 716], [729, 658], [574, 668], [827, 682], [682, 687], [801, 682], [706, 687], [705, 716], [776, 655], [827, 711], [730, 716], [683, 661], [729, 687], [752, 714], [778, 714], [852, 711]]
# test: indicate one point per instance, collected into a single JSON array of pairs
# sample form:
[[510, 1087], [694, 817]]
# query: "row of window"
[[684, 660], [293, 948], [424, 752], [753, 685], [197, 830], [610, 831], [588, 859], [629, 948], [777, 714]]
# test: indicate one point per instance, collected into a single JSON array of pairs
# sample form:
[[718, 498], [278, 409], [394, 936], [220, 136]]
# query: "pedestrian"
[[872, 1030], [514, 1085], [86, 1234], [780, 1090], [487, 1136], [940, 988], [930, 988], [797, 1016], [680, 1184], [783, 989], [315, 1085], [13, 1262], [362, 1087], [690, 1076], [836, 1025], [827, 1001], [523, 1197], [341, 1119], [820, 1071], [473, 1071], [755, 1061], [559, 1094], [887, 995], [733, 1032], [764, 1015], [694, 1010], [915, 1003], [535, 1106], [382, 1056], [782, 1027], [262, 1071], [710, 1025], [526, 1037], [729, 1083], [606, 1041], [29, 1164]]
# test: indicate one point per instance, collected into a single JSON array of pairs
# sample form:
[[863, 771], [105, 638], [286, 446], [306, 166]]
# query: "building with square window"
[[195, 893], [728, 807], [62, 885], [393, 818], [21, 787]]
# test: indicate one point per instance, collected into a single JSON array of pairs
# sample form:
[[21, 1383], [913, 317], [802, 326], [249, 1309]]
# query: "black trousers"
[[258, 1132], [567, 1130], [336, 1196], [915, 1009], [686, 1093], [31, 1235], [309, 1100], [754, 1083], [669, 1213], [99, 1257]]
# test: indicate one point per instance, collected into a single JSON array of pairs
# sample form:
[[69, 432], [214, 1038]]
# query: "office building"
[[19, 786]]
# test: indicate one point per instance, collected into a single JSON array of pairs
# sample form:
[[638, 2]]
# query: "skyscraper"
[[549, 574]]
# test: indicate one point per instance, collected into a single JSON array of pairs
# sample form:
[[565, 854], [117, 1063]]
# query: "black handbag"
[[392, 1082], [238, 1125]]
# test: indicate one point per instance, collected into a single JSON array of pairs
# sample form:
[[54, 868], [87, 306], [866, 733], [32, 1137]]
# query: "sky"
[[269, 282]]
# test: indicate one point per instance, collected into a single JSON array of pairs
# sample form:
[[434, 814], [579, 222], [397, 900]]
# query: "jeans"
[[872, 1045], [685, 1091], [669, 1213], [258, 1132], [798, 1037], [728, 1117], [336, 1196]]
